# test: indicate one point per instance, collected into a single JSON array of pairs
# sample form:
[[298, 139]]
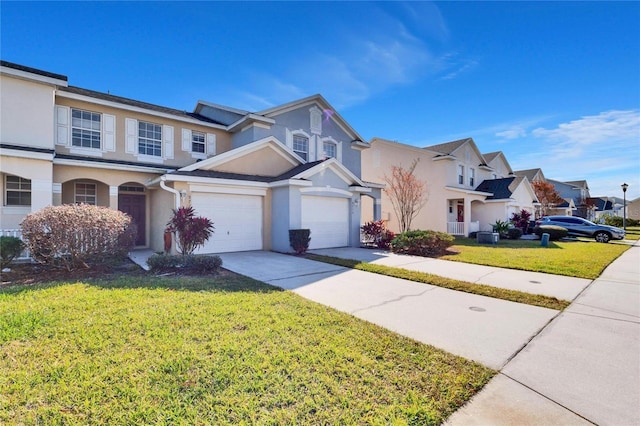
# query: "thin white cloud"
[[365, 63], [460, 69], [514, 132]]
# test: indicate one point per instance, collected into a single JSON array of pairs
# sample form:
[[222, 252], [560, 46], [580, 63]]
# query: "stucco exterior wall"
[[181, 157], [26, 113]]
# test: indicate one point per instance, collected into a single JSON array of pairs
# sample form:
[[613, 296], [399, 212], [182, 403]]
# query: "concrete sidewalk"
[[565, 288], [479, 328], [584, 367]]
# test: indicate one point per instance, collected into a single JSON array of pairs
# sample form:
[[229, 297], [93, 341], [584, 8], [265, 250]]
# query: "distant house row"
[[255, 174]]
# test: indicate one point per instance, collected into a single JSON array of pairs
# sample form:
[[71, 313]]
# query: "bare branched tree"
[[407, 193]]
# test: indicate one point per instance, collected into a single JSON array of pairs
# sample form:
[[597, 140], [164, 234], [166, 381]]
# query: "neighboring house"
[[255, 175], [563, 209], [633, 209], [605, 206], [576, 193], [466, 190]]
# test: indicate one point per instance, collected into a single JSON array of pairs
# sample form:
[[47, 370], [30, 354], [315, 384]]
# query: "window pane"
[[85, 129]]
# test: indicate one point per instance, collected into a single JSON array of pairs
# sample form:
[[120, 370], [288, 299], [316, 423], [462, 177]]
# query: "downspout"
[[167, 188]]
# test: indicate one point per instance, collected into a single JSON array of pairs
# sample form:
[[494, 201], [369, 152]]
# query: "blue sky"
[[554, 85]]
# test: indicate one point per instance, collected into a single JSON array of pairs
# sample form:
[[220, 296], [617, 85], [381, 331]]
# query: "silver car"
[[580, 227]]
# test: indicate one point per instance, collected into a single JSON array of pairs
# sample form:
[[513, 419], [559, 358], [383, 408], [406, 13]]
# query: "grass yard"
[[582, 259], [223, 350]]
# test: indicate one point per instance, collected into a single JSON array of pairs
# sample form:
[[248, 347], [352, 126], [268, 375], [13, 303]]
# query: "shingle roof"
[[500, 188], [448, 147], [529, 173], [489, 157], [256, 178], [115, 162], [33, 70], [134, 103]]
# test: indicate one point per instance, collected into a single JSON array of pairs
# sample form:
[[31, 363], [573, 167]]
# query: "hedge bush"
[[514, 233], [555, 232], [299, 240], [617, 221], [74, 235], [196, 264], [422, 243], [10, 248]]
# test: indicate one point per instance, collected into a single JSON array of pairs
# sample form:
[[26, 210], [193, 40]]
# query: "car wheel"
[[602, 237]]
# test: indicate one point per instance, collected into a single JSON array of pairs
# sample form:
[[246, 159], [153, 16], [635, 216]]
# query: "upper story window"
[[472, 177], [461, 174], [330, 150], [198, 142], [149, 139], [301, 146], [17, 191], [85, 193], [85, 129]]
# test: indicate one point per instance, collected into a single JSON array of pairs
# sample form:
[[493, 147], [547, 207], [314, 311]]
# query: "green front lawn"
[[582, 259], [224, 350]]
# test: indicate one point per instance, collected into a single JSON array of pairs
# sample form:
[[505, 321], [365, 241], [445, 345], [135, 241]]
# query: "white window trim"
[[209, 144], [315, 120], [460, 173], [75, 192], [311, 151], [64, 131], [7, 190], [338, 145], [132, 139]]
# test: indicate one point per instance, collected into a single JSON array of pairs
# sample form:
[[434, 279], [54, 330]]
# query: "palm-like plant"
[[190, 231]]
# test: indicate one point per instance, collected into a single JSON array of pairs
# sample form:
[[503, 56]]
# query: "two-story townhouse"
[[576, 194], [464, 192], [536, 175], [256, 175]]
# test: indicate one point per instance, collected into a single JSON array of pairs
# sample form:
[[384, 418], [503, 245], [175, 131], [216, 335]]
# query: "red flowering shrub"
[[191, 231], [73, 235], [376, 233]]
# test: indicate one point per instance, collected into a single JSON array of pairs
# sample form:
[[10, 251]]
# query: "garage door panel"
[[328, 220], [237, 220]]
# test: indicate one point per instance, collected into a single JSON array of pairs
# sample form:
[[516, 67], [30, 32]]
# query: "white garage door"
[[328, 219], [237, 220]]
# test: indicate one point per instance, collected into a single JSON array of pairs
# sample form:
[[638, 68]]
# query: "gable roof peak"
[[448, 147]]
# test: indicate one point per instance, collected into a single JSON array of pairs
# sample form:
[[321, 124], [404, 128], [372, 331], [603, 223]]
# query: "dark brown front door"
[[460, 213], [133, 205]]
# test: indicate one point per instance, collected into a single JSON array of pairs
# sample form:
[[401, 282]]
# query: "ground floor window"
[[86, 193], [17, 191]]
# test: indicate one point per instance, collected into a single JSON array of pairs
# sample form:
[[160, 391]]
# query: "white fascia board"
[[8, 152], [111, 104], [340, 170], [359, 145], [324, 189], [109, 166], [360, 189], [290, 182], [444, 157], [228, 189], [468, 191], [244, 150], [215, 181], [375, 185], [24, 75], [218, 106], [250, 119]]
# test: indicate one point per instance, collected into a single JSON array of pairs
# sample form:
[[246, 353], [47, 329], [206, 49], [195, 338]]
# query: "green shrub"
[[555, 232], [202, 264], [514, 233], [422, 243], [10, 248], [164, 262], [299, 240], [501, 227], [74, 235], [196, 264]]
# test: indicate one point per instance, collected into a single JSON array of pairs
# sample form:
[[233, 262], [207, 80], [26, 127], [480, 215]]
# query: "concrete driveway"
[[483, 329], [578, 367]]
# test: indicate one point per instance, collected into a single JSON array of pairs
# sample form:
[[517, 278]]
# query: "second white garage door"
[[328, 220], [237, 220]]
